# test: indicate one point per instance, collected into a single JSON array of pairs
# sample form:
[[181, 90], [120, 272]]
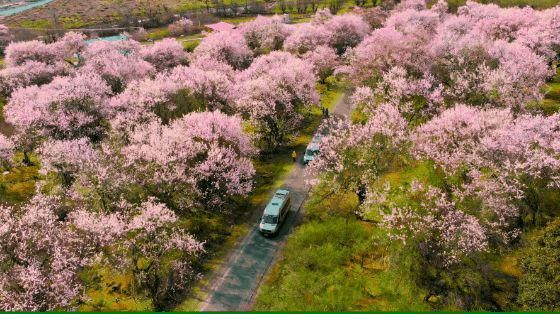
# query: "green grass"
[[18, 184], [538, 4], [238, 20], [185, 6], [551, 102], [36, 23], [158, 33], [162, 32], [190, 42], [74, 21], [338, 265], [190, 45], [110, 291]]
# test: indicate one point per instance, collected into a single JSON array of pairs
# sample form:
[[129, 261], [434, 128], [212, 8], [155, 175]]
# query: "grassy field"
[[551, 101], [537, 4], [79, 14], [335, 263]]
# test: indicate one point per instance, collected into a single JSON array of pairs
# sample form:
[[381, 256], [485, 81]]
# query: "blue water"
[[31, 5], [107, 38]]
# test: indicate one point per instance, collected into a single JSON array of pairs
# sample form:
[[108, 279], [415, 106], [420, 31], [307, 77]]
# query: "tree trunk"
[[26, 159]]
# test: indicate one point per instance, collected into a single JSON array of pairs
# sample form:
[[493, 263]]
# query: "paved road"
[[234, 287]]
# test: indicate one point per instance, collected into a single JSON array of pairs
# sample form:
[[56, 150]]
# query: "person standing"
[[294, 156]]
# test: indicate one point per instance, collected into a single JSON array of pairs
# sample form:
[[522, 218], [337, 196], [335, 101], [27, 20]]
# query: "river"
[[21, 8]]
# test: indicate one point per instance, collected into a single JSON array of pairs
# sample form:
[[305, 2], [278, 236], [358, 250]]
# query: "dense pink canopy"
[[229, 47], [68, 107], [206, 151]]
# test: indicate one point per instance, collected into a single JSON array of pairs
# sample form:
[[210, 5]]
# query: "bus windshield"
[[270, 219]]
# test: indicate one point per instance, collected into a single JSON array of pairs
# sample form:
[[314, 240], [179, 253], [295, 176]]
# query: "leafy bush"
[[539, 287]]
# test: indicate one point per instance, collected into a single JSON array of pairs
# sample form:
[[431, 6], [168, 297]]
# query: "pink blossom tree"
[[321, 17], [70, 44], [433, 224], [172, 95], [490, 158], [434, 58], [417, 5], [490, 138], [383, 49], [19, 52], [375, 16], [31, 73], [180, 27], [518, 79], [116, 66], [213, 86], [418, 26], [36, 63], [164, 54], [346, 31], [306, 37], [542, 36], [273, 92], [139, 34], [66, 108], [43, 254], [352, 155], [228, 47], [265, 34], [324, 60], [202, 154], [146, 241], [67, 157], [41, 258], [518, 151]]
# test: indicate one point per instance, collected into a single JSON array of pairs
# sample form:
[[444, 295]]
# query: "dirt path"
[[233, 287]]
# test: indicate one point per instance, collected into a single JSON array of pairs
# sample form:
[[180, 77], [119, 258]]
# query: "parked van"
[[275, 213], [312, 149], [310, 152]]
